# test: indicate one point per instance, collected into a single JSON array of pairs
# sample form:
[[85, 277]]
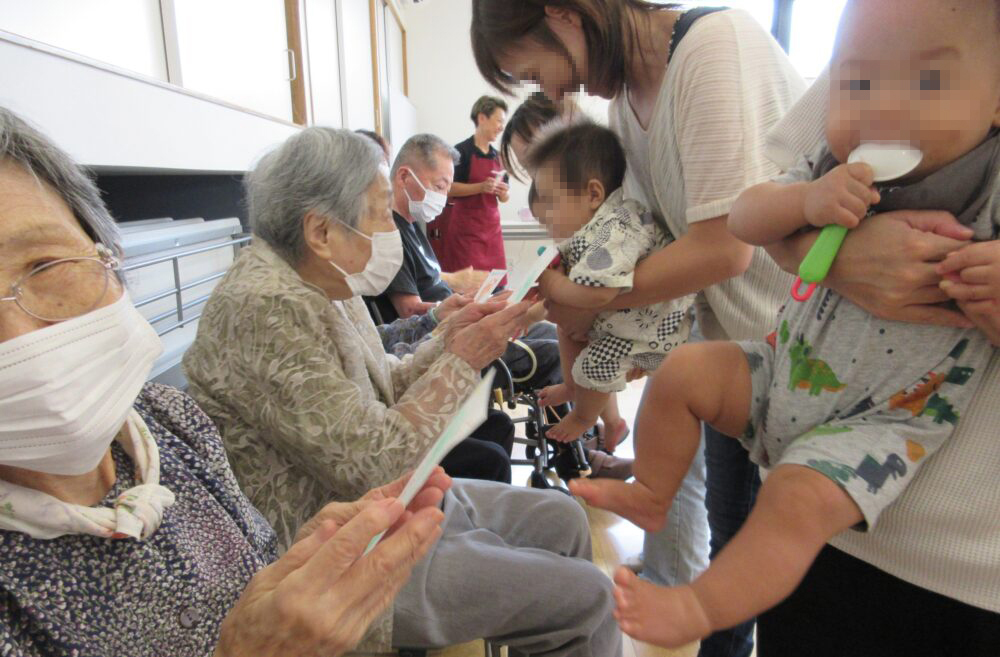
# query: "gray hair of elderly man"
[[419, 150], [322, 170], [31, 150]]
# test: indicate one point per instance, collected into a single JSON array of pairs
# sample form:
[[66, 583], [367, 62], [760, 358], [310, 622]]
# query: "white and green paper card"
[[522, 281], [489, 285], [470, 415]]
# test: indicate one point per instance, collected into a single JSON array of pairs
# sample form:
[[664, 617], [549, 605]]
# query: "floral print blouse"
[[86, 596]]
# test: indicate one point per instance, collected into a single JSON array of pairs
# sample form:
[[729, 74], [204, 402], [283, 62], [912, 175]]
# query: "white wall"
[[106, 119], [444, 80]]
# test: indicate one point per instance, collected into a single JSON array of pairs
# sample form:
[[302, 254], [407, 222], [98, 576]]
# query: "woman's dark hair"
[[498, 24], [534, 112], [532, 197], [581, 151]]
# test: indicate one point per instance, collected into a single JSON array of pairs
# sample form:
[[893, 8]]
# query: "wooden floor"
[[614, 541]]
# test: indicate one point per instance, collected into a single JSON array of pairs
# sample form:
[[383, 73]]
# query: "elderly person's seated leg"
[[512, 566], [122, 529], [486, 454], [291, 368]]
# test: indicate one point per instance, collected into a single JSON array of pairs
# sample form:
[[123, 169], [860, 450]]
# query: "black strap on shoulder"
[[685, 22]]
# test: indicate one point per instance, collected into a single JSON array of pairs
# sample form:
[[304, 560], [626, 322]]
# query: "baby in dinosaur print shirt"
[[839, 408]]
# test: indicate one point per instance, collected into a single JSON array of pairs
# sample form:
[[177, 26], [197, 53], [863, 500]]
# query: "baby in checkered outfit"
[[602, 236]]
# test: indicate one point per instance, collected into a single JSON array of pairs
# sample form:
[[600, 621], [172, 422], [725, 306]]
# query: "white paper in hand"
[[470, 415], [489, 285], [524, 280]]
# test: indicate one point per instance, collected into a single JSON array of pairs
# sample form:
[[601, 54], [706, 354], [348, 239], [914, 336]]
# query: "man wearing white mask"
[[421, 177]]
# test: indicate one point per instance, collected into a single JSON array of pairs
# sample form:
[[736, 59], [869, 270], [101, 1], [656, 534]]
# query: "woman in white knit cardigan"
[[693, 95], [927, 579]]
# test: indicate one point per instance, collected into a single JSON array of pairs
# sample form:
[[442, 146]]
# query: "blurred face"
[[550, 69], [37, 227], [492, 126], [929, 76], [561, 210]]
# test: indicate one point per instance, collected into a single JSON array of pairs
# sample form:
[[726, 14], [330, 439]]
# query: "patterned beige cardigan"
[[310, 407]]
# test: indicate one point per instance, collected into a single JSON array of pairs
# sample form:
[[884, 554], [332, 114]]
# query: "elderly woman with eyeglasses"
[[122, 528], [289, 365]]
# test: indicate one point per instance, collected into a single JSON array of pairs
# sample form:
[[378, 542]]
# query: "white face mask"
[[66, 389], [428, 209], [382, 267]]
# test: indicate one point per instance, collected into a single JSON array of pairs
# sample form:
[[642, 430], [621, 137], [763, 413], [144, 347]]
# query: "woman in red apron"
[[470, 234]]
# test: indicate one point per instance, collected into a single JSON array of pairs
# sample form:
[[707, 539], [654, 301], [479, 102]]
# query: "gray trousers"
[[512, 566]]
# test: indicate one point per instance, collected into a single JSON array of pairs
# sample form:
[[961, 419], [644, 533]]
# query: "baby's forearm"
[[769, 212], [568, 293], [797, 511]]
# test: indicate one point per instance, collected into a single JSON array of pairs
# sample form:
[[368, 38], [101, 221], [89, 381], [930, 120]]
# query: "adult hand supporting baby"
[[972, 278], [888, 266], [986, 320]]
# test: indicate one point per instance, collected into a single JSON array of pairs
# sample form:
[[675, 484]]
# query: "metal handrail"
[[177, 290], [241, 239], [188, 286], [187, 306]]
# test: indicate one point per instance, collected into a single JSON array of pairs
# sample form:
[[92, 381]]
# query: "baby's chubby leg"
[[561, 393], [708, 382], [798, 510]]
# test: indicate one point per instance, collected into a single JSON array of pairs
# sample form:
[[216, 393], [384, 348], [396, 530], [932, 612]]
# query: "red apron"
[[471, 235]]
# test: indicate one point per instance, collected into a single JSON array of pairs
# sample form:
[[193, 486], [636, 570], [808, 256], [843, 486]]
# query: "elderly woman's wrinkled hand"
[[322, 595], [342, 512], [485, 340], [452, 305], [472, 313]]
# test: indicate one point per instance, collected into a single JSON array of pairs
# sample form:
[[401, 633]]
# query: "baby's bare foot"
[[555, 395], [569, 428], [632, 501], [670, 617]]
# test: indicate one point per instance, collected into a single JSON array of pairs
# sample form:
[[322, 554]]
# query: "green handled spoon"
[[888, 160]]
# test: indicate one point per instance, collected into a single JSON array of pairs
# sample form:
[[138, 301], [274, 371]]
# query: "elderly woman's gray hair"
[[322, 170], [30, 149], [419, 151]]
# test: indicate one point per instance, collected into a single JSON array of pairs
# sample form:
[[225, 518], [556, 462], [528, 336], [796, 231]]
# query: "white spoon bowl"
[[889, 160]]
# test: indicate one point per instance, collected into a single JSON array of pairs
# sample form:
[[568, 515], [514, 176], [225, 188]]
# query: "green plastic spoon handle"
[[816, 265]]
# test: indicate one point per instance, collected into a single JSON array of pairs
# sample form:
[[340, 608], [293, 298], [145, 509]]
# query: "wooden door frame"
[[297, 80], [374, 15], [391, 4]]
